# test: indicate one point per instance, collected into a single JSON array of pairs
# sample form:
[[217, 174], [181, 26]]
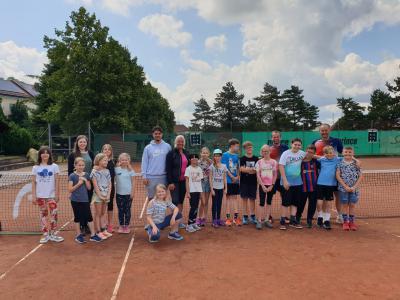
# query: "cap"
[[217, 151]]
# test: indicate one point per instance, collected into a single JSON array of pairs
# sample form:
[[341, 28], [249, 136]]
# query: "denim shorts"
[[160, 226], [205, 184], [346, 197]]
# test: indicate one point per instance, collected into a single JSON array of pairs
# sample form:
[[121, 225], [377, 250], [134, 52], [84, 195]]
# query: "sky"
[[191, 48]]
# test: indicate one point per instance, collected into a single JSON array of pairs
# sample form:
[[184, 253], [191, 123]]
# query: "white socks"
[[326, 216]]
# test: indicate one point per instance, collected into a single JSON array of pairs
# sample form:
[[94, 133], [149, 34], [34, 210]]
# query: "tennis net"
[[380, 198]]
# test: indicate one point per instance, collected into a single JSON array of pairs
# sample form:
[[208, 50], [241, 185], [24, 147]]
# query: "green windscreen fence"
[[387, 142]]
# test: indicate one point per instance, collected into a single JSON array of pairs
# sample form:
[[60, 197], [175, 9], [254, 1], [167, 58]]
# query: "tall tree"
[[384, 110], [229, 108], [19, 113], [353, 115], [91, 77], [253, 117], [203, 115]]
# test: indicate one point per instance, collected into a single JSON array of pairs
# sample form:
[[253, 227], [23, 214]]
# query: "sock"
[[320, 214], [351, 218], [245, 216], [228, 216], [236, 215], [253, 216], [326, 216], [345, 218], [292, 219], [282, 220]]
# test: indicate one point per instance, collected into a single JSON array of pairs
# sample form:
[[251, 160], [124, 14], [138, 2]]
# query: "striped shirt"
[[309, 175]]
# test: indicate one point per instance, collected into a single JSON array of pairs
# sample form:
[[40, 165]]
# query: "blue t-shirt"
[[81, 193], [123, 180], [292, 163], [309, 175], [327, 174], [231, 161]]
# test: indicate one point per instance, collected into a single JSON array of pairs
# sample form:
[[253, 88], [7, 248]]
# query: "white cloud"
[[17, 61], [216, 43], [166, 29]]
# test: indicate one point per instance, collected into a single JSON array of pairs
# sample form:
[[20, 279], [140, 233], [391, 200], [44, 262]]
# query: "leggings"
[[194, 207], [217, 204], [46, 204], [124, 203], [312, 204]]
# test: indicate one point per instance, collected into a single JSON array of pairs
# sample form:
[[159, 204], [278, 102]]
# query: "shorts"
[[248, 191], [264, 195], [277, 186], [96, 199], [291, 197], [153, 182], [347, 198], [160, 226], [205, 185], [233, 189], [110, 205], [325, 192], [82, 213], [179, 193]]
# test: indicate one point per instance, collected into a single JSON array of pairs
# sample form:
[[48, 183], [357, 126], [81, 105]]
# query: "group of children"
[[299, 176]]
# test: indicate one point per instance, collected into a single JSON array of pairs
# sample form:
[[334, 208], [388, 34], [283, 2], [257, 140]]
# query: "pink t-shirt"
[[267, 170], [184, 164]]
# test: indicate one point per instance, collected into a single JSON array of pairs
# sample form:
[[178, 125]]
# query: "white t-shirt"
[[45, 180], [195, 176], [292, 162]]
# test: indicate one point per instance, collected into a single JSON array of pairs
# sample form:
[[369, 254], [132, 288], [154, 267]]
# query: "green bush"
[[17, 140]]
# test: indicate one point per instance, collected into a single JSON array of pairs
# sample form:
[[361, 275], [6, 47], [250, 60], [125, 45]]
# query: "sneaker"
[[110, 228], [95, 238], [287, 220], [339, 219], [353, 226], [320, 222], [198, 221], [215, 224], [297, 225], [253, 220], [283, 226], [245, 221], [220, 222], [175, 236], [228, 222], [56, 238], [121, 229], [152, 241], [346, 226], [292, 224], [189, 228], [197, 227], [126, 229], [309, 224], [80, 239], [44, 239], [258, 225], [107, 234], [237, 222], [268, 224], [102, 236], [182, 226], [327, 225]]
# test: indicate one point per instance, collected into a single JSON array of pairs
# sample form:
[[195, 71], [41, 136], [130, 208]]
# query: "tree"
[[253, 117], [4, 126], [203, 115], [19, 113], [229, 108], [353, 115], [91, 77], [384, 111]]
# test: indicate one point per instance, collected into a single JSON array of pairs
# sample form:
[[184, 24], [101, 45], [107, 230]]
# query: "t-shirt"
[[123, 180], [309, 175], [81, 193], [334, 142], [45, 180], [103, 179], [327, 175], [218, 176], [184, 164], [231, 161], [267, 171], [349, 172], [249, 162], [292, 163], [88, 162], [157, 210], [205, 167], [195, 175]]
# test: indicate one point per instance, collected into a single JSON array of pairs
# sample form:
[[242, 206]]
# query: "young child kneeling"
[[157, 218]]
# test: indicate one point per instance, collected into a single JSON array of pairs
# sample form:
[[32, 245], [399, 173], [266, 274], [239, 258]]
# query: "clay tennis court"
[[239, 263]]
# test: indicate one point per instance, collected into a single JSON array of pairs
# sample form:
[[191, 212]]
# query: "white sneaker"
[[339, 219], [56, 238], [190, 228], [44, 239], [195, 226], [107, 234]]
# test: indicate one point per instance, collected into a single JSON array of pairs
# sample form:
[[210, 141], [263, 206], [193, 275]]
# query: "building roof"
[[179, 128], [17, 88]]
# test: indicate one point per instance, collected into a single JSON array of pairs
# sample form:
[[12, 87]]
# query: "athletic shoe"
[[287, 220], [258, 225], [126, 229], [320, 222], [237, 222], [283, 226], [346, 226], [297, 225], [189, 228], [198, 221], [292, 224], [353, 226], [56, 238], [175, 236], [45, 238], [339, 219], [327, 225], [182, 226], [228, 222], [268, 224], [80, 239], [110, 228], [107, 234], [253, 220], [220, 222], [215, 224], [121, 229], [245, 221], [102, 235], [197, 227], [95, 238], [309, 224], [271, 220], [152, 241]]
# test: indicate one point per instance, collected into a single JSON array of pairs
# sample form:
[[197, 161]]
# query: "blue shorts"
[[205, 185], [346, 197], [160, 226]]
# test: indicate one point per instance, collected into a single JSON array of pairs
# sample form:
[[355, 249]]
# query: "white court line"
[[121, 272], [2, 276]]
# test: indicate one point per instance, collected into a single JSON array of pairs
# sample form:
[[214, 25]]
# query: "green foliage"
[[353, 115], [91, 77], [384, 111], [203, 115], [19, 114], [17, 140]]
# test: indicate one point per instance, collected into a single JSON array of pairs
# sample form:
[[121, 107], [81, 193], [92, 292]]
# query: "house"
[[180, 129], [13, 90]]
